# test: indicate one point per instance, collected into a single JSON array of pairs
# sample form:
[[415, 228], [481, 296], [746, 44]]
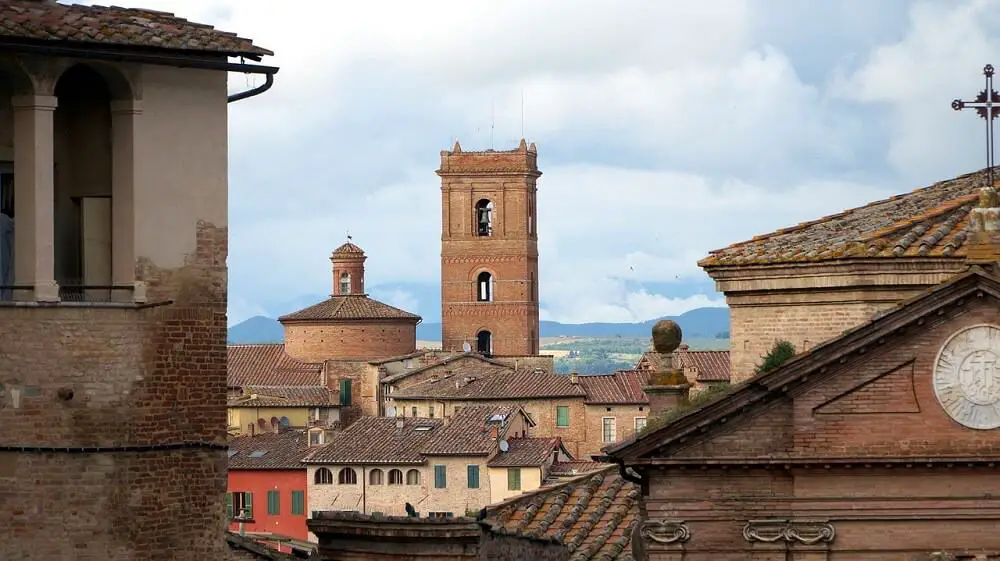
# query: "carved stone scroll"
[[806, 532], [666, 531]]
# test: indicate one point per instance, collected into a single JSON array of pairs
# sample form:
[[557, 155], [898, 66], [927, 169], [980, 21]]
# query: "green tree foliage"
[[778, 355]]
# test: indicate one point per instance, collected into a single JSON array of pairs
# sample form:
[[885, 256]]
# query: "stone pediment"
[[918, 382]]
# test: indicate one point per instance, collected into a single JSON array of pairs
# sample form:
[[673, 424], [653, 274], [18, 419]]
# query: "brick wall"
[[624, 416], [316, 342], [107, 377]]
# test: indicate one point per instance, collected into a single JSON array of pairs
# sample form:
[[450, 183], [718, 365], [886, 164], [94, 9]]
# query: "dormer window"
[[484, 218], [345, 284]]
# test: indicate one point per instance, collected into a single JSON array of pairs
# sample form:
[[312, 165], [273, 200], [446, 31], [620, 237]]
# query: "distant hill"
[[697, 323]]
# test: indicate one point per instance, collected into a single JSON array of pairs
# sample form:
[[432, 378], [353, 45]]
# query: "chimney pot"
[[574, 378]]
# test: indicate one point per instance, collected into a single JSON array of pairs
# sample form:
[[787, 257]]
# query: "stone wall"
[[624, 416], [316, 342]]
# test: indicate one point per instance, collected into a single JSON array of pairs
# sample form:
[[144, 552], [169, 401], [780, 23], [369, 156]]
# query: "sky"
[[665, 129]]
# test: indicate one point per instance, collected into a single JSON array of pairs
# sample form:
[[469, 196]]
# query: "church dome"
[[348, 250]]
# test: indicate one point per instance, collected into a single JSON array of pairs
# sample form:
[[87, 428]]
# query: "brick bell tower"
[[489, 251]]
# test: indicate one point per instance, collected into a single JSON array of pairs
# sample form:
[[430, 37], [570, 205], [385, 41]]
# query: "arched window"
[[484, 342], [345, 283], [323, 477], [413, 477], [395, 477], [484, 287], [484, 218], [375, 477], [347, 476]]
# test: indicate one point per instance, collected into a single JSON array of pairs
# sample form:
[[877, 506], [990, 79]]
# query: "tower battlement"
[[523, 159]]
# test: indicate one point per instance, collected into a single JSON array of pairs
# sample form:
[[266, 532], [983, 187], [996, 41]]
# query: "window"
[[298, 503], [484, 342], [562, 415], [239, 504], [484, 287], [440, 477], [347, 476], [430, 411], [323, 477], [439, 515], [413, 477], [273, 502], [473, 476], [640, 423], [315, 437], [484, 218], [395, 477], [608, 432], [375, 477], [345, 392], [513, 479], [345, 283]]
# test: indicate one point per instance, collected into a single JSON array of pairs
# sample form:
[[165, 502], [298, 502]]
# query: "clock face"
[[967, 377]]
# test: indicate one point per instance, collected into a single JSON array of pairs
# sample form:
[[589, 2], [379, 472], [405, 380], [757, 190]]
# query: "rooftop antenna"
[[493, 118], [522, 112]]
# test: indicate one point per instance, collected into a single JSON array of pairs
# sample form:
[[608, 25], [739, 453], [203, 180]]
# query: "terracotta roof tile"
[[526, 452], [268, 365], [131, 27], [349, 249], [928, 222], [493, 385], [378, 440], [468, 431], [282, 450], [622, 387], [713, 366], [574, 468], [478, 364], [286, 396], [349, 307], [593, 515]]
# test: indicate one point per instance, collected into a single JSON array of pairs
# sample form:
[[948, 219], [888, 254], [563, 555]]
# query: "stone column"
[[34, 195], [124, 172]]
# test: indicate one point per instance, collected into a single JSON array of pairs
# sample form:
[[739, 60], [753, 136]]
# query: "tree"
[[778, 355]]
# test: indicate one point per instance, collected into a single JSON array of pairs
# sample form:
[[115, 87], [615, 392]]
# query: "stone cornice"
[[842, 274]]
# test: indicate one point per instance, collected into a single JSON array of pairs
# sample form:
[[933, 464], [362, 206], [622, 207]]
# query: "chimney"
[[494, 431], [574, 378], [667, 389]]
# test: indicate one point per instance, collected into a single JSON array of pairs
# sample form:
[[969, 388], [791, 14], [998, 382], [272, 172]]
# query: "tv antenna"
[[522, 112], [493, 119]]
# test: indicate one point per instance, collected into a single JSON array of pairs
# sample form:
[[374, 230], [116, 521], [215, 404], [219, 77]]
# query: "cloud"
[[665, 130]]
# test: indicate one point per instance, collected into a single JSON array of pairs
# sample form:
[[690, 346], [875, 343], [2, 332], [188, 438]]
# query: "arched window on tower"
[[484, 287], [484, 342], [484, 218], [345, 283]]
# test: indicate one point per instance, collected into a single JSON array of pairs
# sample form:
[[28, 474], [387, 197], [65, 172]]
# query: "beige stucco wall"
[[624, 416], [241, 417], [531, 479]]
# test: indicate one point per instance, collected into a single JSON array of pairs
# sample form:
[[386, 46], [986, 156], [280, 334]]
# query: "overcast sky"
[[665, 129]]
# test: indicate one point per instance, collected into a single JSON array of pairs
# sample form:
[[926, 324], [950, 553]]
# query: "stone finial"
[[457, 148], [523, 146], [532, 148], [666, 336]]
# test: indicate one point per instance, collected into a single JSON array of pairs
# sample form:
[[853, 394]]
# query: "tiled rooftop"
[[349, 307], [378, 440], [268, 450], [349, 249], [498, 385], [928, 222], [462, 364], [468, 431], [559, 471], [593, 515], [623, 387], [526, 452], [713, 366], [285, 396], [268, 365], [128, 27]]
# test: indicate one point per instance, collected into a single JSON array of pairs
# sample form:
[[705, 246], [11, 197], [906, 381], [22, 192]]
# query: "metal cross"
[[987, 105]]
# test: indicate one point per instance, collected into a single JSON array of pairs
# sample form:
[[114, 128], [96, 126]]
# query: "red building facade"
[[266, 492]]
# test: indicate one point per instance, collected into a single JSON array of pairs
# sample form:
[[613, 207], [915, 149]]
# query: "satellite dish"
[[390, 412], [504, 446], [466, 347], [284, 422]]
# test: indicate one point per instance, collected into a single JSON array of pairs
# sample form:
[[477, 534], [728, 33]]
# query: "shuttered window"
[[345, 393], [562, 416], [298, 502], [273, 502], [440, 477], [513, 479], [473, 476]]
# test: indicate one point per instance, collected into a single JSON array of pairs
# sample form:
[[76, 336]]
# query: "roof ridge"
[[935, 212]]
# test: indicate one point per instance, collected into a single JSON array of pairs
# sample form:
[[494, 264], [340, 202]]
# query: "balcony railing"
[[72, 292]]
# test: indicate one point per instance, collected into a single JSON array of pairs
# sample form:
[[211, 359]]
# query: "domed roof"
[[348, 249]]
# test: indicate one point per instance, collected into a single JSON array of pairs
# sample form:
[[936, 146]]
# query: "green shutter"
[[229, 505], [298, 502], [514, 479], [345, 393], [473, 476], [562, 416], [248, 501], [440, 477], [273, 502]]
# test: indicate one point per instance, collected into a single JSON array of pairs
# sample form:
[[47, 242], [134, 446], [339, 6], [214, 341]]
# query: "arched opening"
[[484, 342], [323, 476], [13, 82], [395, 477], [345, 283], [347, 476], [484, 217], [83, 185], [413, 477], [484, 287], [375, 477]]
